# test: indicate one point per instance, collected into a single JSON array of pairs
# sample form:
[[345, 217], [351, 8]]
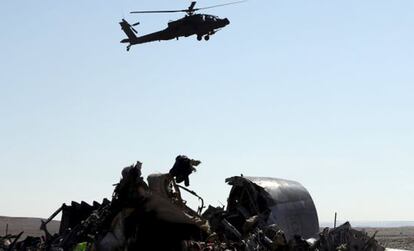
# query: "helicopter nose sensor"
[[224, 22]]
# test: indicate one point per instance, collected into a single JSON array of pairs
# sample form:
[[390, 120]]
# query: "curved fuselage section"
[[290, 204]]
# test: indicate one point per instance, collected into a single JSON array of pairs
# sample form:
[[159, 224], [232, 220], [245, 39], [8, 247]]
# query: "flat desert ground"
[[393, 237]]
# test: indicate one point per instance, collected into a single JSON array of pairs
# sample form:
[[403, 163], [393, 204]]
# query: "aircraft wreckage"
[[262, 214]]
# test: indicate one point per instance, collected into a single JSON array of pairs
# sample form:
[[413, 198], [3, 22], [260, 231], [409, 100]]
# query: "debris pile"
[[11, 242], [344, 238], [262, 214]]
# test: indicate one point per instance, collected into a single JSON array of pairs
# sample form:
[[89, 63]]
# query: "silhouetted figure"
[[131, 186], [182, 168]]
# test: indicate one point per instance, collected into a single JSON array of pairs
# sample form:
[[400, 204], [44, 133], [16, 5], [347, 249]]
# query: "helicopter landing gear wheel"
[[199, 37], [207, 37]]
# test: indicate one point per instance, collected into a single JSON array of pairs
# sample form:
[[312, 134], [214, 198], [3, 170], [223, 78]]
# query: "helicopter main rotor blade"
[[219, 5], [191, 8], [157, 11]]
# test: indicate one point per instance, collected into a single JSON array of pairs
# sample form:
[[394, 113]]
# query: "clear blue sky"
[[316, 91]]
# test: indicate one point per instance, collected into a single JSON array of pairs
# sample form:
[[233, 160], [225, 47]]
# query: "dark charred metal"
[[262, 214]]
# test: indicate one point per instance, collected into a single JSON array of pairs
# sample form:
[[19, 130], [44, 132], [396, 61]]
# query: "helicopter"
[[202, 25]]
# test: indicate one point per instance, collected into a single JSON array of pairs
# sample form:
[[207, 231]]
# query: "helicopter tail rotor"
[[129, 29], [130, 32], [132, 27]]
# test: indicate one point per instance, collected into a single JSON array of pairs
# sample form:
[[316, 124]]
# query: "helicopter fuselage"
[[197, 24]]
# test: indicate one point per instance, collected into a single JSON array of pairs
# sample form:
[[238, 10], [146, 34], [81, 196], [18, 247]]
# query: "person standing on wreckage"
[[182, 169], [131, 186]]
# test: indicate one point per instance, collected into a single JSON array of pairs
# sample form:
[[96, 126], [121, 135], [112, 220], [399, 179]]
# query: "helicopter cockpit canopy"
[[209, 17]]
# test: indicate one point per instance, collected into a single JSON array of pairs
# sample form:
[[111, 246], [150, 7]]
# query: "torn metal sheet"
[[291, 205]]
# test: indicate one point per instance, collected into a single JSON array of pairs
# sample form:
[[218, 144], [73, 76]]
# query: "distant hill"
[[30, 226], [374, 224]]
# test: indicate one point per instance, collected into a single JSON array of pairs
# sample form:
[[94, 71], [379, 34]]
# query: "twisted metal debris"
[[263, 214]]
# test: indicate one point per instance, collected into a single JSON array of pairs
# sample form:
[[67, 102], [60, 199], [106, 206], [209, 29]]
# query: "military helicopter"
[[202, 25]]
